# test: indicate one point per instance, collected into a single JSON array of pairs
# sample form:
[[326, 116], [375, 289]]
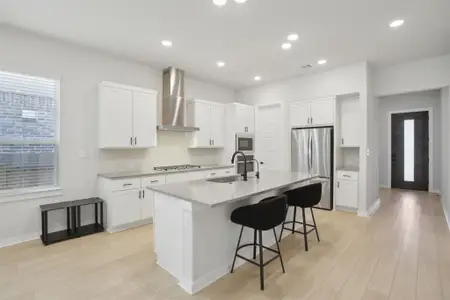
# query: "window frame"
[[27, 193]]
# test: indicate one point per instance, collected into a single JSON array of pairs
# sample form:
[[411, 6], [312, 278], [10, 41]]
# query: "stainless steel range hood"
[[173, 108]]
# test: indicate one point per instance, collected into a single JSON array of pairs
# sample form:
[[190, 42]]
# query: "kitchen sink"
[[227, 179]]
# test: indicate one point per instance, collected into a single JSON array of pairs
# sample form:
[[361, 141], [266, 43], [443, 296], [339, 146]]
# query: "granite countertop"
[[213, 194], [139, 173]]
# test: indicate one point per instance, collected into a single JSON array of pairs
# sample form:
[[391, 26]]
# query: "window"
[[28, 132], [408, 168]]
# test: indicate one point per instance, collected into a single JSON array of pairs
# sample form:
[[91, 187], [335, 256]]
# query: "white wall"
[[415, 100], [426, 74], [80, 70], [346, 80], [445, 149]]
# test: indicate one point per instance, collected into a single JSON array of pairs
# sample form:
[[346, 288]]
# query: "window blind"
[[28, 131]]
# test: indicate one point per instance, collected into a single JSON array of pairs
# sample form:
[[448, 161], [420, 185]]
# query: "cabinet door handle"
[[338, 184], [348, 176], [154, 181], [210, 143], [135, 141], [127, 184], [140, 194], [312, 120], [143, 193], [213, 142], [212, 174], [131, 141]]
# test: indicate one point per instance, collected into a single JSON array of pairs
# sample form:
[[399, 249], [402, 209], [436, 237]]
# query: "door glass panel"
[[409, 150]]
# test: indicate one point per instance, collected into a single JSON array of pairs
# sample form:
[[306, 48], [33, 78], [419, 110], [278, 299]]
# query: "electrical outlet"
[[368, 152]]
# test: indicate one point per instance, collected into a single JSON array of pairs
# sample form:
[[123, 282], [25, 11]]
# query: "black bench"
[[73, 215]]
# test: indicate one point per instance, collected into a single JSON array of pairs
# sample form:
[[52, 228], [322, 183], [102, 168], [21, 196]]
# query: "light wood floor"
[[402, 252]]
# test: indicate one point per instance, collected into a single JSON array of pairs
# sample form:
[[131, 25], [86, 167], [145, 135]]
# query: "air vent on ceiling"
[[307, 66]]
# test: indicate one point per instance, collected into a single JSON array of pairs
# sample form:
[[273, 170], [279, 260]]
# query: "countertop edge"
[[155, 173], [155, 189]]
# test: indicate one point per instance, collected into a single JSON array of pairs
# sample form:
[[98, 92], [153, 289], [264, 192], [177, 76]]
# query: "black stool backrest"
[[306, 196], [264, 215]]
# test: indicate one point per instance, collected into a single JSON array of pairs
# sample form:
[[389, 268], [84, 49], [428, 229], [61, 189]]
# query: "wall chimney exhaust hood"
[[173, 102]]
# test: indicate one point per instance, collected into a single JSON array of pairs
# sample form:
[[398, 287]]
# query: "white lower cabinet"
[[347, 190], [125, 207], [129, 202]]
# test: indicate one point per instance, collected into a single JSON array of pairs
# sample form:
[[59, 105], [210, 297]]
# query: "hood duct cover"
[[173, 102]]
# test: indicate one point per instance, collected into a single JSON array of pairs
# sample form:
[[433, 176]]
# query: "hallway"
[[402, 252]]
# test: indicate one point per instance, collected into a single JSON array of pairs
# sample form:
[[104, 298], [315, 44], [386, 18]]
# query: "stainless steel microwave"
[[245, 142]]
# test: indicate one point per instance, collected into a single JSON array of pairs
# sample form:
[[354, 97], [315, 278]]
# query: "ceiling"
[[247, 37]]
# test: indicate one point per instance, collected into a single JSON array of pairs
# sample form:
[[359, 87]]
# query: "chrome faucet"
[[257, 171], [244, 175]]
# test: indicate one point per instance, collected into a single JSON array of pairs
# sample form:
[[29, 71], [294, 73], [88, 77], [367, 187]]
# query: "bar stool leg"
[[295, 215], [254, 244], [279, 251], [305, 235], [237, 247], [315, 225], [261, 261]]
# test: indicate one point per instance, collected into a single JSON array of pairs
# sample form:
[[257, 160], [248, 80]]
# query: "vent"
[[307, 66]]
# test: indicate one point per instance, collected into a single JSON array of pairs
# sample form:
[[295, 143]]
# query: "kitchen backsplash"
[[172, 150]]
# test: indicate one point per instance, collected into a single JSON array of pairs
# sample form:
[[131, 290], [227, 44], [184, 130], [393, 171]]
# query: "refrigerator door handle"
[[310, 154]]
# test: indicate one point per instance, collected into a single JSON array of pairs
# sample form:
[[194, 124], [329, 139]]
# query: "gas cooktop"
[[176, 167]]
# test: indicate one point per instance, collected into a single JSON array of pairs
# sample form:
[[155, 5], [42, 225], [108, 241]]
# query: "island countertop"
[[213, 193]]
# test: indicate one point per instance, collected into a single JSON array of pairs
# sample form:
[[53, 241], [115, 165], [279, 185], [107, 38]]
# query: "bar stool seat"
[[262, 216], [304, 197]]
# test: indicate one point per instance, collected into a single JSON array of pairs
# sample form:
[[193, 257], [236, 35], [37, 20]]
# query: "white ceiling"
[[246, 36]]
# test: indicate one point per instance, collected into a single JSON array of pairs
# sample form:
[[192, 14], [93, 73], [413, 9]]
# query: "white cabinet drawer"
[[126, 184], [347, 175], [153, 180]]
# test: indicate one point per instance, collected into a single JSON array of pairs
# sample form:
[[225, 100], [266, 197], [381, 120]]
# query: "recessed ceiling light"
[[220, 64], [257, 78], [322, 62], [240, 1], [166, 43], [396, 23], [292, 37], [220, 2], [286, 46]]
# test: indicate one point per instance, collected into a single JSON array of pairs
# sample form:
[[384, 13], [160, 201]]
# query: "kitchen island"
[[193, 236]]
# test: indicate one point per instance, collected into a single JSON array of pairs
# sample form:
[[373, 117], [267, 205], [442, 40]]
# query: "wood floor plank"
[[402, 252]]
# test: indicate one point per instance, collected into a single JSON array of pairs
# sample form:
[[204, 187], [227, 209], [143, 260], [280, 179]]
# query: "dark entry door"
[[409, 153]]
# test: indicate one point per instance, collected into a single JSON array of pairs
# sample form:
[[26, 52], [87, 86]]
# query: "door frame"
[[430, 144]]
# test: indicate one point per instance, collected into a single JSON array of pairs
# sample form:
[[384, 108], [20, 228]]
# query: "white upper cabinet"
[[144, 119], [317, 112], [210, 118], [350, 122], [300, 113], [245, 118], [322, 112], [217, 115], [127, 117]]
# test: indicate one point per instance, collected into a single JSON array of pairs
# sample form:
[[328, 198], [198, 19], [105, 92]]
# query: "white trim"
[[435, 191], [127, 87], [384, 186], [18, 240], [372, 209], [447, 217], [29, 194], [430, 143]]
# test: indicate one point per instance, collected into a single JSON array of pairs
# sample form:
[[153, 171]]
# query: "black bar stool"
[[304, 197], [262, 216]]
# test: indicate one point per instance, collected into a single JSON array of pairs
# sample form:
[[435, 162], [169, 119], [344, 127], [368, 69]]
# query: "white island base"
[[196, 242]]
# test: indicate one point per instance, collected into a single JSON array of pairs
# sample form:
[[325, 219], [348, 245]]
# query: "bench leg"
[[68, 219], [44, 221], [101, 215], [96, 213]]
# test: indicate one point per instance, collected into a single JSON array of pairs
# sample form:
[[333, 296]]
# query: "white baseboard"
[[123, 227], [206, 280], [435, 191], [447, 216], [384, 186], [21, 239], [372, 209]]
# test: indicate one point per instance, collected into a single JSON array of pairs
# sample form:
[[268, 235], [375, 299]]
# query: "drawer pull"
[[154, 181], [348, 176], [127, 184], [228, 172], [212, 174]]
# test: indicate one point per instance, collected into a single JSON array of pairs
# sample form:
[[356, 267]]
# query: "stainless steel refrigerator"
[[312, 155]]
